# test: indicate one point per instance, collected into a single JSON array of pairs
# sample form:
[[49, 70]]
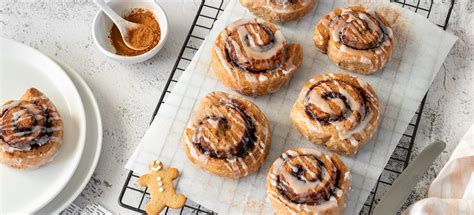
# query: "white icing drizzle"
[[352, 103], [347, 176], [223, 61], [313, 125], [252, 52], [236, 122], [243, 165], [262, 146], [336, 24], [315, 98], [359, 129], [201, 159], [213, 122], [258, 52], [365, 60], [302, 186], [252, 157], [251, 78], [366, 110], [278, 6], [289, 68], [28, 109]]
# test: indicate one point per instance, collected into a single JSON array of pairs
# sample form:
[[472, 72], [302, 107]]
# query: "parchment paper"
[[420, 50]]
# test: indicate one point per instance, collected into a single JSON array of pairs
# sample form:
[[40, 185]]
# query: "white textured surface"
[[400, 86], [127, 93]]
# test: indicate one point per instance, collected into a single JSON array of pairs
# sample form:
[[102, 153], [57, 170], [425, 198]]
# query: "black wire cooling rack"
[[134, 198]]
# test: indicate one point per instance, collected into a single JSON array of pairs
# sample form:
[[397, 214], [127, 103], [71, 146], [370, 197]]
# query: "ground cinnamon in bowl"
[[145, 37]]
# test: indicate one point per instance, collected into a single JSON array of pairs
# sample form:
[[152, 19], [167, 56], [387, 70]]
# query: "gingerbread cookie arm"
[[142, 181], [174, 173]]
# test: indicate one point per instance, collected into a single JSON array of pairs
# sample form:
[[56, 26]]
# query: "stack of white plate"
[[52, 187]]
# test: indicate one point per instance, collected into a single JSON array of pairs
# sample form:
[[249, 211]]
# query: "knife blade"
[[404, 184]]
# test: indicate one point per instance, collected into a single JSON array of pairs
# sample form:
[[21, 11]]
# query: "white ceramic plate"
[[21, 67], [92, 148]]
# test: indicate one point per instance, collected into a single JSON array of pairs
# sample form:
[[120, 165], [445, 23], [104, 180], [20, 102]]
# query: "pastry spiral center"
[[23, 124], [229, 133], [286, 3], [26, 121], [255, 47], [306, 179], [335, 101], [358, 30]]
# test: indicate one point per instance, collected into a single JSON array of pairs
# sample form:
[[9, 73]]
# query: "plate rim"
[[82, 84], [81, 115]]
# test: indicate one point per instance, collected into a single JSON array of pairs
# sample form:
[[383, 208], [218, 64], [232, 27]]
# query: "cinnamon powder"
[[140, 36]]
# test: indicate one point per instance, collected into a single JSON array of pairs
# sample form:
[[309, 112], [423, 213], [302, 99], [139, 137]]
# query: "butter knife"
[[404, 184]]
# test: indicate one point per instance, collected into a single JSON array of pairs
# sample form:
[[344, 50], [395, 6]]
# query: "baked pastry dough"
[[279, 10], [338, 111], [253, 57], [227, 136], [306, 181], [31, 131], [355, 39]]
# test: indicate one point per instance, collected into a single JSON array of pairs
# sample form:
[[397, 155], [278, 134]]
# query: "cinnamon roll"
[[355, 39], [338, 111], [279, 10], [227, 136], [306, 181], [253, 57], [31, 131]]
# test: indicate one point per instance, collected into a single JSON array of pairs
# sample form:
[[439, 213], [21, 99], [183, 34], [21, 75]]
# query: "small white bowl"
[[102, 25]]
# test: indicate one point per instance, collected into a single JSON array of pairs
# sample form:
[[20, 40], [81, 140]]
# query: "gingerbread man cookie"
[[160, 183]]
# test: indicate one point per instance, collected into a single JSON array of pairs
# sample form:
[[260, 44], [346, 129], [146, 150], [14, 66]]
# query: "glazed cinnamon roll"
[[338, 111], [306, 181], [253, 57], [227, 136], [279, 10], [31, 131], [355, 39]]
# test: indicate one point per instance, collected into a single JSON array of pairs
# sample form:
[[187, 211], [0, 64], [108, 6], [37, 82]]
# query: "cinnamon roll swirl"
[[279, 10], [227, 136], [253, 57], [306, 181], [355, 39], [31, 131], [338, 111]]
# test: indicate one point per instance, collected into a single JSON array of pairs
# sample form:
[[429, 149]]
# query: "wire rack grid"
[[134, 198]]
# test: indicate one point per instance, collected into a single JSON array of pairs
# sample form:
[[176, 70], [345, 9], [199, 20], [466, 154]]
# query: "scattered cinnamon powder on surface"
[[139, 36]]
